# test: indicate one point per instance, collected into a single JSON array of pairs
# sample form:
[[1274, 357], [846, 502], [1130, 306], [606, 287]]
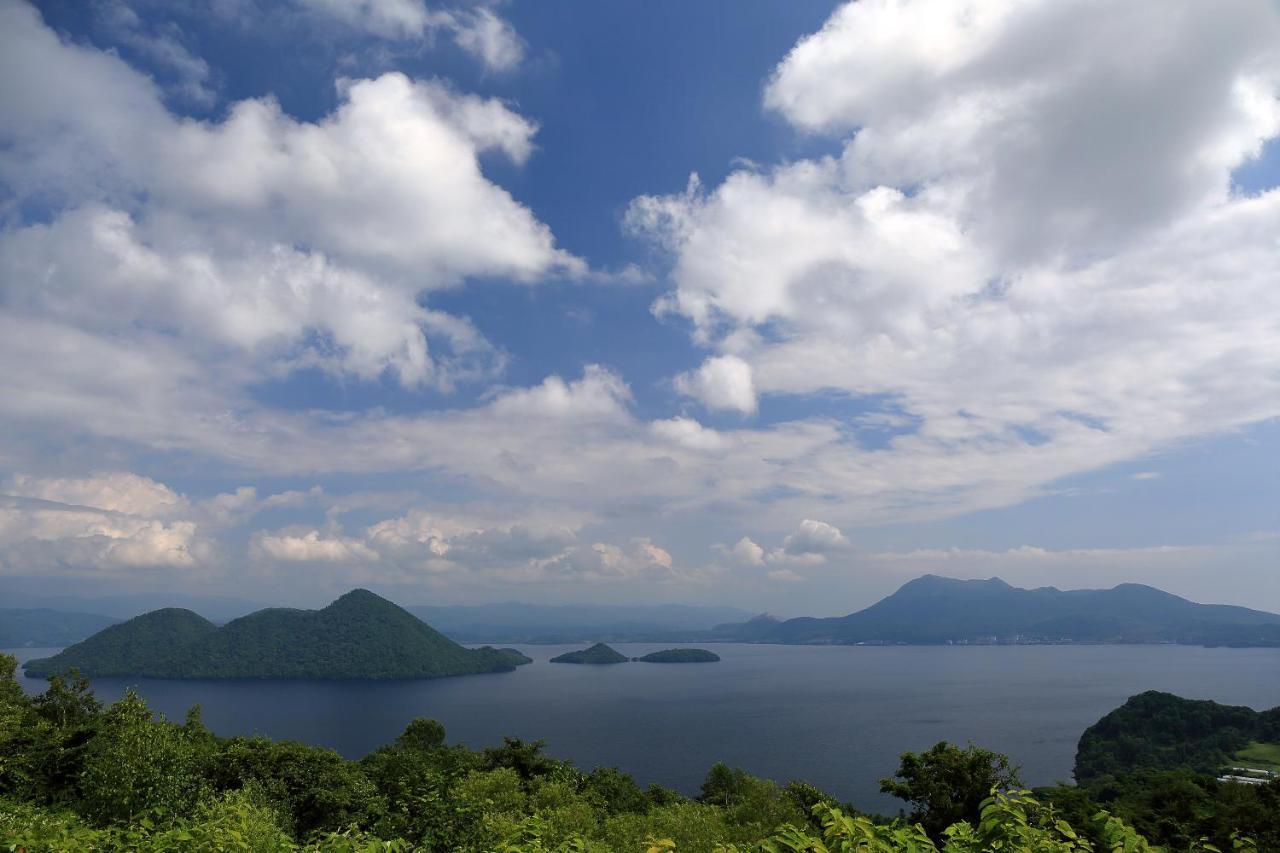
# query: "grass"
[[1262, 756]]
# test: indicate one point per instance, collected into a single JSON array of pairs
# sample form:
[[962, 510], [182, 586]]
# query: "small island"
[[680, 656], [599, 653]]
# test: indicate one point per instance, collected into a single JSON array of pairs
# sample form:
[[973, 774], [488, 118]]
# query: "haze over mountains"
[[514, 622], [52, 621], [934, 609], [31, 594], [44, 627], [363, 635]]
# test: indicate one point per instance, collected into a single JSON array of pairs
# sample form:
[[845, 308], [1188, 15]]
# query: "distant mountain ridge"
[[935, 610], [45, 627], [32, 595], [360, 635], [514, 622]]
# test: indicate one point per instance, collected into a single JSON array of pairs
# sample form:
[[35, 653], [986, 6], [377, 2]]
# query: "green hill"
[[599, 653], [1160, 731], [157, 643], [680, 656], [934, 609], [361, 635]]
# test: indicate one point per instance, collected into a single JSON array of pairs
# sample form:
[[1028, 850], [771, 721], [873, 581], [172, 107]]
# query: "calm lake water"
[[835, 716]]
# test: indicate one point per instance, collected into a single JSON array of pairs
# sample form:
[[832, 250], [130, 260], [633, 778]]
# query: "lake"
[[837, 716]]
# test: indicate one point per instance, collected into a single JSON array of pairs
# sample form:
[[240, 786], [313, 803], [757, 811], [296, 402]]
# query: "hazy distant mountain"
[[512, 622], [358, 636], [43, 627], [933, 609], [31, 594]]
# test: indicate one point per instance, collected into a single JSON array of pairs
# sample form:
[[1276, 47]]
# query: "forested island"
[[680, 656], [360, 635], [934, 610], [597, 654], [77, 776]]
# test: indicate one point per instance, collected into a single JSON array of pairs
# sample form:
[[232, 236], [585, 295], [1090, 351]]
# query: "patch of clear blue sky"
[[1213, 490], [1261, 173]]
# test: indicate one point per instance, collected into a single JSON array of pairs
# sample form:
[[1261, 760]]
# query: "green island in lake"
[[679, 656], [599, 653], [361, 635]]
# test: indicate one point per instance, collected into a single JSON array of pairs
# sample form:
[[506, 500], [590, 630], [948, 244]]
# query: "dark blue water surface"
[[835, 716]]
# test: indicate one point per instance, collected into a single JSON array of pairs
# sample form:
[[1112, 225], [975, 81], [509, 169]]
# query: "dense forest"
[[75, 775], [360, 635], [1160, 731], [1155, 762]]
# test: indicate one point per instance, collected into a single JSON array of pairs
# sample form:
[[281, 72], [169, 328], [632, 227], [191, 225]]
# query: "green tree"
[[723, 785], [318, 787], [68, 702], [15, 729], [615, 791], [946, 784], [138, 765], [524, 757], [422, 733]]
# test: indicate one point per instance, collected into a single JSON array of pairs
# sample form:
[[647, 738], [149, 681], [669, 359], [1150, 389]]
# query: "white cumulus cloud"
[[275, 242], [311, 546], [744, 552], [111, 522], [1028, 251], [812, 542], [723, 382]]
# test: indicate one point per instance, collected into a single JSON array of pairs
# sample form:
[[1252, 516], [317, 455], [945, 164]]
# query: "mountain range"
[[44, 627], [933, 610], [360, 635], [515, 622]]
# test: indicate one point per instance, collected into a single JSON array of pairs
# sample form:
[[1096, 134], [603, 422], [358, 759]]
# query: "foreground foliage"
[[77, 776]]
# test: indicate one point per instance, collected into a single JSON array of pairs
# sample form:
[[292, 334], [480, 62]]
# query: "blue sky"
[[302, 296]]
